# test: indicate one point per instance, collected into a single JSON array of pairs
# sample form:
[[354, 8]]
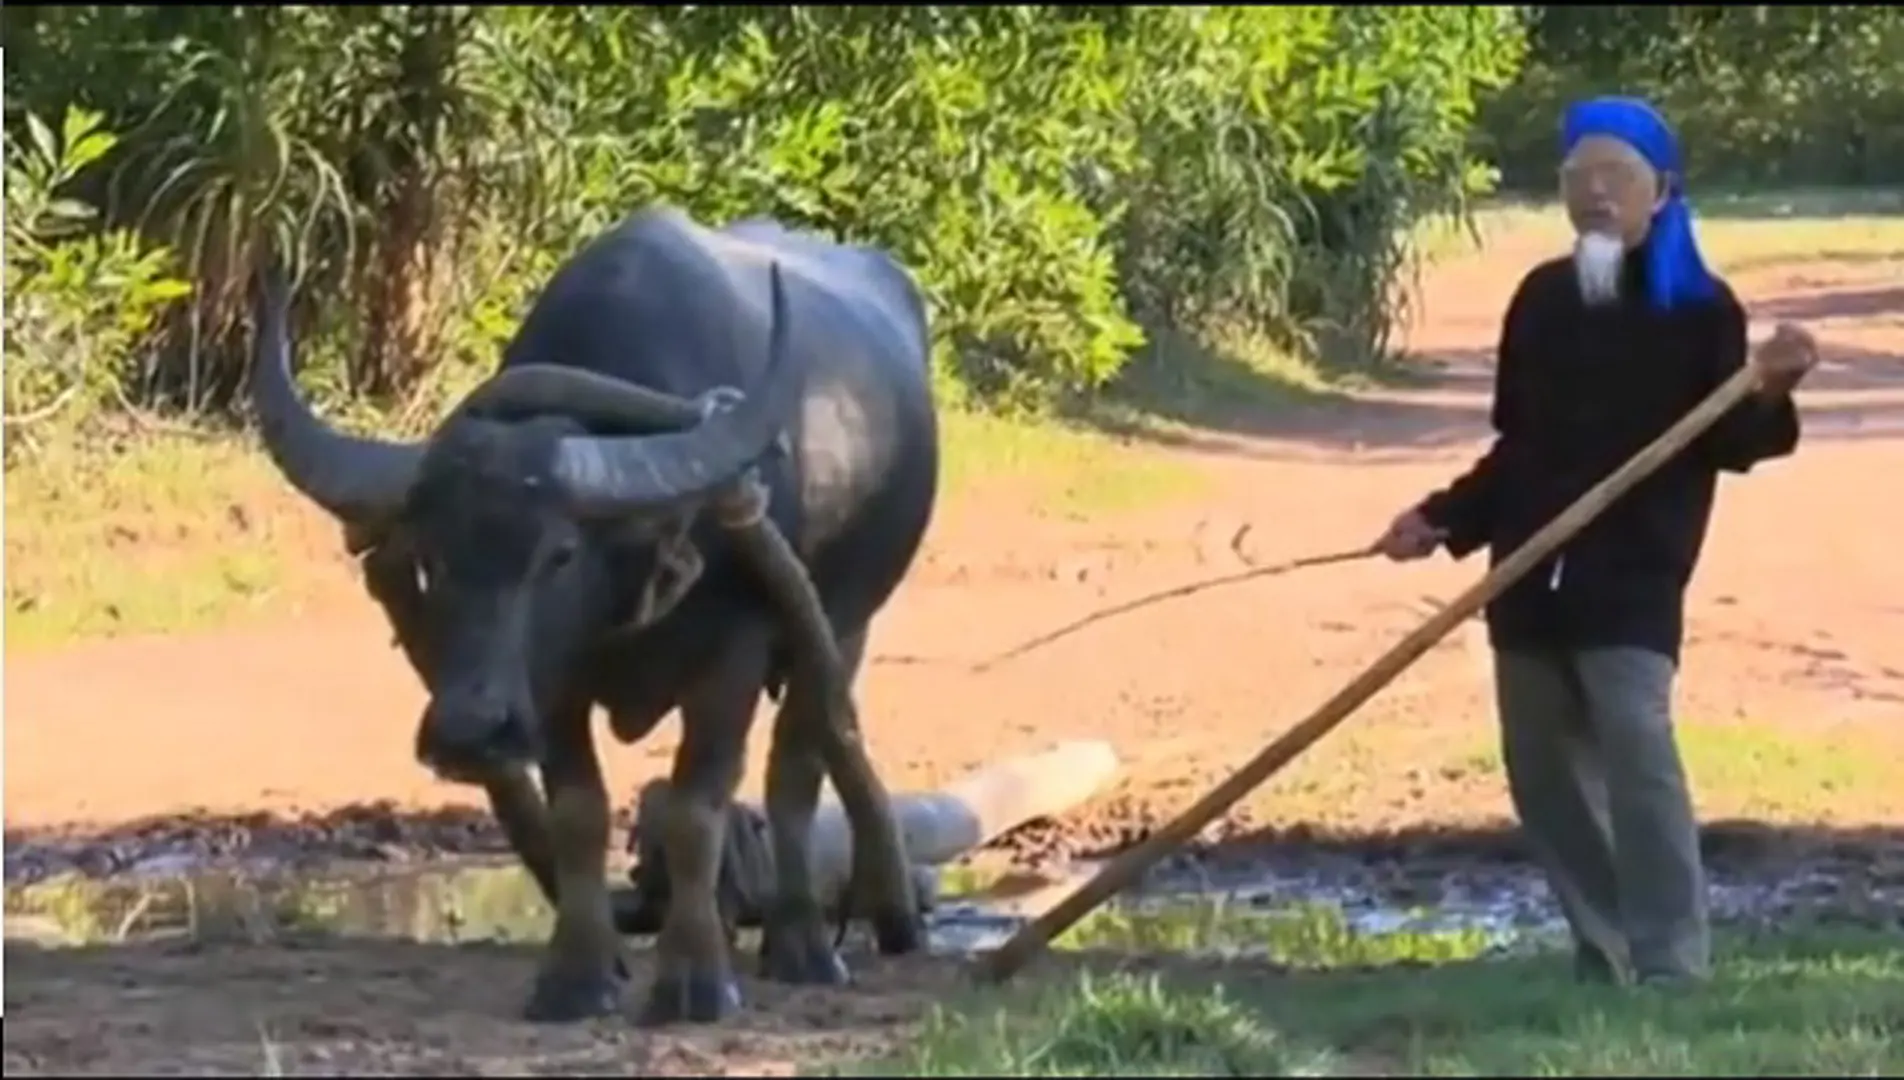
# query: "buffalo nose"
[[464, 733]]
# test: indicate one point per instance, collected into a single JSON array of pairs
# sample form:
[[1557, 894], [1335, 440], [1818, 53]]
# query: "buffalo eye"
[[560, 555]]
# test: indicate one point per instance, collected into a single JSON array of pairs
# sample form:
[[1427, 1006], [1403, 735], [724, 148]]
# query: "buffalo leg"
[[581, 974], [695, 981], [882, 878], [881, 874], [793, 941], [523, 813]]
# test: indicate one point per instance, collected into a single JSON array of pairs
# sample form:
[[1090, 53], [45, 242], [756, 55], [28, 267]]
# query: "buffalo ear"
[[677, 564], [363, 536]]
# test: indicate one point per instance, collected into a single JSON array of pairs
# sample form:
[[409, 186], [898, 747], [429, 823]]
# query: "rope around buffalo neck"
[[743, 504]]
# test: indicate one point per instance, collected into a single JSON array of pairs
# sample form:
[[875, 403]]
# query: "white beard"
[[1597, 262]]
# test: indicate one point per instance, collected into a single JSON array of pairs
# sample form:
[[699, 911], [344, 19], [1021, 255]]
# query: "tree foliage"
[[1062, 180], [1761, 94]]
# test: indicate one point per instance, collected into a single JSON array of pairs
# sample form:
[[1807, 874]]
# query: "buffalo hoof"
[[797, 953], [898, 933], [567, 997], [690, 999]]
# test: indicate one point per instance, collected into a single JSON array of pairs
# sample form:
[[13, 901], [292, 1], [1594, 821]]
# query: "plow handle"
[[1131, 865]]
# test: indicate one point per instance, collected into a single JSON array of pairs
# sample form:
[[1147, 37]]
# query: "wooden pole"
[[1128, 867]]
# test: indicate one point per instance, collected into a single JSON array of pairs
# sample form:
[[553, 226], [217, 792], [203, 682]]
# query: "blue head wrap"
[[1675, 272]]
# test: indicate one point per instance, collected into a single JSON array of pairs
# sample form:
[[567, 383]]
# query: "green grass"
[[1785, 775], [1316, 937], [164, 534], [1761, 771], [1063, 469], [1814, 1002]]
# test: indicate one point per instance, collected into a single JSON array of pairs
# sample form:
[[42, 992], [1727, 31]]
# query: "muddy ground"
[[1794, 624], [402, 1009]]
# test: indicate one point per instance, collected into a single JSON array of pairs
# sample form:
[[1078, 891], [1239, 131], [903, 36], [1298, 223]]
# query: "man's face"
[[1610, 189]]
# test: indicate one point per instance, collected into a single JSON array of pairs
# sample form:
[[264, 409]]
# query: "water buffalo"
[[607, 520]]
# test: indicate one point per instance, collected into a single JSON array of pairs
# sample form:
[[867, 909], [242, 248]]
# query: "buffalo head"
[[514, 516]]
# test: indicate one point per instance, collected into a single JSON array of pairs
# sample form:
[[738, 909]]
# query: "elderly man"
[[1600, 353]]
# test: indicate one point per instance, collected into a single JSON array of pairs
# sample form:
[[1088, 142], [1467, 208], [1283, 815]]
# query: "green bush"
[[1762, 96], [81, 301], [1061, 180]]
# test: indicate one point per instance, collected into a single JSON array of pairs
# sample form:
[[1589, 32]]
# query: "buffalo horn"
[[637, 474], [358, 480], [587, 396]]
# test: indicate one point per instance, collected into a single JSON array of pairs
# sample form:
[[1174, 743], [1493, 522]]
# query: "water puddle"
[[495, 901], [448, 902], [1297, 916], [1297, 921], [1336, 911]]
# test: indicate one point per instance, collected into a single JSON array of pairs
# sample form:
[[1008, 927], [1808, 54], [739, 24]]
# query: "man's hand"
[[1409, 537], [1783, 360]]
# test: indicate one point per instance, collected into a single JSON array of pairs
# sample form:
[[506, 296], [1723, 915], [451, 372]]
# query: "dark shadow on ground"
[[1853, 423], [1186, 398], [1833, 304], [1847, 368], [379, 832], [1177, 385], [1863, 857], [1803, 203], [1834, 257], [1372, 429], [376, 831], [1228, 401], [1741, 843]]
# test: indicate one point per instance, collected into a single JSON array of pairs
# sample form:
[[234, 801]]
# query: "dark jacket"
[[1577, 392]]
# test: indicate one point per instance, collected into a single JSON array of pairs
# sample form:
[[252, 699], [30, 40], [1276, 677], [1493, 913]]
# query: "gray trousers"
[[1596, 779]]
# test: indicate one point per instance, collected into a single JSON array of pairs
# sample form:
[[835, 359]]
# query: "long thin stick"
[[1131, 865], [1169, 594]]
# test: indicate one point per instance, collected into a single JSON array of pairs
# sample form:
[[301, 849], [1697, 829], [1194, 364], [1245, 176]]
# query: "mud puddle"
[[494, 901], [1347, 907], [1294, 909]]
